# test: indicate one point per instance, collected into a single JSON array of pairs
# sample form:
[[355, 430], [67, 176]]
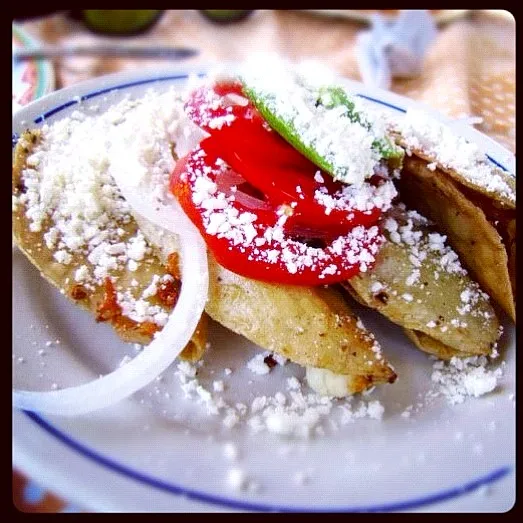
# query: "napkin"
[[394, 49]]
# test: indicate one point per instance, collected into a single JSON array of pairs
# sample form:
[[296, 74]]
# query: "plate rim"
[[145, 480], [112, 82], [124, 79]]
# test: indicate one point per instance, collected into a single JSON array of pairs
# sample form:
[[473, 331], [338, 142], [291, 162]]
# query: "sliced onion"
[[166, 345], [229, 178]]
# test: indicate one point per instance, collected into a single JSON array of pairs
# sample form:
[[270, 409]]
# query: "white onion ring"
[[166, 345]]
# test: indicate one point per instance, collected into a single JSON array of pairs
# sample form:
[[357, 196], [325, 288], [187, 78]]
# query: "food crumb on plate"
[[302, 477], [258, 366], [407, 412], [237, 479], [458, 378], [218, 385], [230, 451], [483, 490]]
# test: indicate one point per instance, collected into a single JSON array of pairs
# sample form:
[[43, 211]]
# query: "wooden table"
[[469, 70]]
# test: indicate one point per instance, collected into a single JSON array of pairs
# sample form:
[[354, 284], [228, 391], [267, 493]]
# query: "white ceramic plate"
[[159, 451], [32, 78]]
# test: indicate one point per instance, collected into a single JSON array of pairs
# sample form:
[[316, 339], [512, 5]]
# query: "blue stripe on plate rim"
[[204, 497], [196, 495], [41, 118]]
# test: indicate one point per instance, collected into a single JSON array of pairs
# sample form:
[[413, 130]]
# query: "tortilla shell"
[[32, 244], [311, 326], [431, 303], [479, 245], [433, 346], [502, 200]]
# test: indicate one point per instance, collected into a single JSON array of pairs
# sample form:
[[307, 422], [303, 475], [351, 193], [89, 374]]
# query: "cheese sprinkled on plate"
[[462, 378]]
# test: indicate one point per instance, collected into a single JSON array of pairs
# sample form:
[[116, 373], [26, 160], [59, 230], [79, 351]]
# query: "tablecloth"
[[469, 70]]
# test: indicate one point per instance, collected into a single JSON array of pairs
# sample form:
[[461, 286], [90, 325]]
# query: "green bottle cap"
[[120, 21], [225, 15]]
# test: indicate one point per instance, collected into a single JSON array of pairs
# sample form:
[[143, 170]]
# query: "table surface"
[[469, 70]]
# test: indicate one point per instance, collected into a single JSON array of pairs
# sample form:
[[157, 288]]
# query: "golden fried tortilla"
[[433, 346], [100, 299], [417, 283], [311, 326], [475, 238], [502, 201]]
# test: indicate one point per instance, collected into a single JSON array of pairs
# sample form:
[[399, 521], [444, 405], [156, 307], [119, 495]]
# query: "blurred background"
[[468, 69], [460, 62]]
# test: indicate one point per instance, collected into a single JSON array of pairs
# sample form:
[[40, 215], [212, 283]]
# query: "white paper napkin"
[[394, 48]]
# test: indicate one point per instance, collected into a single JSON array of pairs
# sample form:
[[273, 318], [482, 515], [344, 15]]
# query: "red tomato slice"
[[248, 262], [242, 125], [267, 254], [218, 106], [269, 163], [262, 178], [291, 187]]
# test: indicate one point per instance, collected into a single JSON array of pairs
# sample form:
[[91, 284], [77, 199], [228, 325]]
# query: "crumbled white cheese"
[[231, 419], [258, 366], [375, 410], [81, 274], [407, 412], [288, 423], [376, 287], [419, 131], [413, 277], [292, 93], [293, 383], [230, 451], [63, 257], [71, 195], [218, 386], [461, 378], [237, 479], [328, 383], [187, 369], [361, 198]]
